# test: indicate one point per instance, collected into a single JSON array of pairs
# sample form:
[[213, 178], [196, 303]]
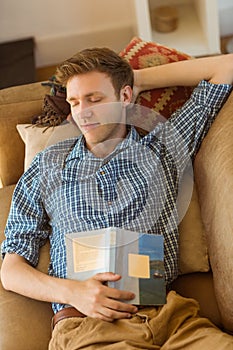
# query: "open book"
[[137, 257]]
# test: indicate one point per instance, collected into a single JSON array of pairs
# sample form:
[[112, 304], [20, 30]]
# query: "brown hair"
[[101, 60]]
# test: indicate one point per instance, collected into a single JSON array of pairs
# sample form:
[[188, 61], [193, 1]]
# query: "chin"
[[92, 136]]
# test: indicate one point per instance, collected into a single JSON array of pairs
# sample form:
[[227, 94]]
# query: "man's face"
[[95, 107]]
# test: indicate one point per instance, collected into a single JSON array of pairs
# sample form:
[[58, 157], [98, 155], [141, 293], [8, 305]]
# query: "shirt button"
[[109, 203], [102, 172]]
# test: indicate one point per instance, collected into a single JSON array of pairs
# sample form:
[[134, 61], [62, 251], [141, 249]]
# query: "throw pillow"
[[142, 54], [36, 138]]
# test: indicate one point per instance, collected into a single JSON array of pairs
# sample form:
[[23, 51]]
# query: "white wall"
[[225, 17], [60, 28]]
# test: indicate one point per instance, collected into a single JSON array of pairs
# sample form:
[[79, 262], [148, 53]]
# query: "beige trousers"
[[175, 325]]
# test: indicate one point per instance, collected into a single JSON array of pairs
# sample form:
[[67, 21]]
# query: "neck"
[[103, 149], [105, 144]]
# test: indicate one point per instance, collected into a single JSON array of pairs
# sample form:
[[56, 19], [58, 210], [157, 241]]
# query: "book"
[[137, 257]]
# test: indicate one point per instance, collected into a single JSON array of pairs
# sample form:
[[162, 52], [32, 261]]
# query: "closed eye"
[[90, 98], [95, 100], [74, 104]]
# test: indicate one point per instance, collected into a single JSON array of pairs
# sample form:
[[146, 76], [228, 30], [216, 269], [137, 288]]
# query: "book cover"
[[137, 257]]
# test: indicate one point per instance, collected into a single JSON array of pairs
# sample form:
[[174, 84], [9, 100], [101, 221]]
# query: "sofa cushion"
[[25, 323], [17, 105], [200, 287], [27, 314], [27, 92], [5, 201], [193, 255]]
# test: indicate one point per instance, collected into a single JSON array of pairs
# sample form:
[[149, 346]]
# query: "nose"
[[85, 113], [81, 110]]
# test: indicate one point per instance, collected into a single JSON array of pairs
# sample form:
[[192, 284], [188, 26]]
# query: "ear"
[[126, 94]]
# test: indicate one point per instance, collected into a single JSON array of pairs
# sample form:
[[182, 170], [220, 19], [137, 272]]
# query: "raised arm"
[[215, 69]]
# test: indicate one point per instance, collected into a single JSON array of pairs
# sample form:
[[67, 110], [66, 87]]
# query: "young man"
[[73, 187]]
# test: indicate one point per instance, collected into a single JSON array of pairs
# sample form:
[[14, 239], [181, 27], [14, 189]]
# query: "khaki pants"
[[175, 325]]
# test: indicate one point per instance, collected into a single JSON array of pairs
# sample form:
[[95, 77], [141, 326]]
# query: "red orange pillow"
[[143, 54]]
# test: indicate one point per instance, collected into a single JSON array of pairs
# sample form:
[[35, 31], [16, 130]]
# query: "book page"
[[139, 265], [88, 253]]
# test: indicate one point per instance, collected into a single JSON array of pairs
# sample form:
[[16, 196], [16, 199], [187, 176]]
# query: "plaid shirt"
[[66, 189]]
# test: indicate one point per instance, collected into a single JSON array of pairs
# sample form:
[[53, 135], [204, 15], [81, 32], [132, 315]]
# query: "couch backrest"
[[18, 105]]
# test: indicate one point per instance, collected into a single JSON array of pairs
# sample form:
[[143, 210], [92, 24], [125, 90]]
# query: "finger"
[[117, 294], [106, 276], [110, 315], [103, 317], [120, 307]]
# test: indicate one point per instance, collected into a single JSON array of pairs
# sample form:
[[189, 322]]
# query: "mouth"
[[88, 127]]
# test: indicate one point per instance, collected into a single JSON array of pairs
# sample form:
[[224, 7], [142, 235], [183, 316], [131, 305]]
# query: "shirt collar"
[[81, 152]]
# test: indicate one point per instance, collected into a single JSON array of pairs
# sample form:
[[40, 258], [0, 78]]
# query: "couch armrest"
[[214, 176], [24, 323]]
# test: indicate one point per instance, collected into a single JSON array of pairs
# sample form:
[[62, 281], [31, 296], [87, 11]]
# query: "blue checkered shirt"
[[66, 189]]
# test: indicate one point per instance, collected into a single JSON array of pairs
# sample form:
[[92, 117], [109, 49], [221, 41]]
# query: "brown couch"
[[25, 323]]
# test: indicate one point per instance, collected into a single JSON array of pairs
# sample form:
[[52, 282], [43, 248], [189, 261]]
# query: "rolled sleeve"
[[27, 226], [195, 118]]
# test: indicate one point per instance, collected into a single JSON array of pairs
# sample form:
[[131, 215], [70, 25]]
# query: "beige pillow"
[[36, 138]]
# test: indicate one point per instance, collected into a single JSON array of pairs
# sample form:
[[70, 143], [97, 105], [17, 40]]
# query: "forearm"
[[92, 297], [216, 69], [18, 276]]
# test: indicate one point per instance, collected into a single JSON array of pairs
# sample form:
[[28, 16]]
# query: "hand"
[[136, 88], [93, 298]]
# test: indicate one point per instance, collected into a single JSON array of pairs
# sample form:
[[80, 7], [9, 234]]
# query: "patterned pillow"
[[142, 54]]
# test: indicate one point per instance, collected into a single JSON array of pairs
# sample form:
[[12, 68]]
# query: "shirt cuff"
[[211, 94]]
